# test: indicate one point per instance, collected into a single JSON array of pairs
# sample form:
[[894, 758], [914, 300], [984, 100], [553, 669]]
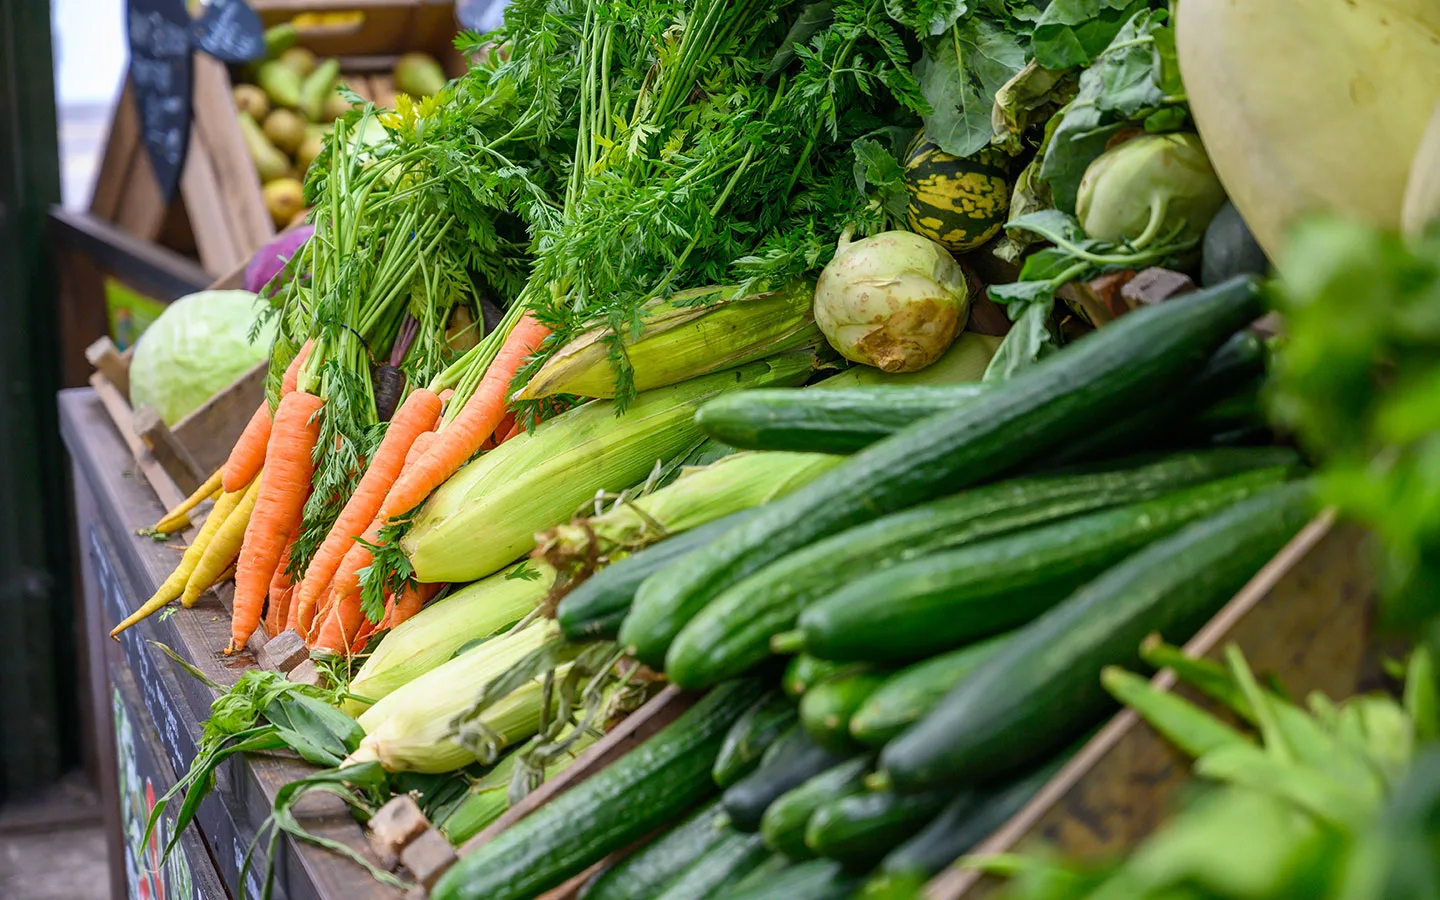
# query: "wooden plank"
[[142, 208], [121, 146], [210, 220], [167, 449], [118, 408], [147, 267], [235, 175], [1306, 617]]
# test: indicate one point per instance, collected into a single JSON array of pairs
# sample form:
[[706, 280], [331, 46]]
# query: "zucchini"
[[783, 825], [659, 780], [826, 708], [790, 762], [1133, 361], [649, 869], [773, 864], [817, 879], [732, 633], [847, 420], [912, 692], [861, 828], [1043, 686], [804, 672], [835, 420], [731, 858], [751, 735], [944, 601], [596, 607], [964, 822]]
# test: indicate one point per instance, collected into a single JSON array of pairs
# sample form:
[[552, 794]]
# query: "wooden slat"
[[142, 208], [210, 220], [121, 146], [235, 176], [118, 409]]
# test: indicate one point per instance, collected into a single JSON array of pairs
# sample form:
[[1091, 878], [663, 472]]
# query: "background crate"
[[217, 215]]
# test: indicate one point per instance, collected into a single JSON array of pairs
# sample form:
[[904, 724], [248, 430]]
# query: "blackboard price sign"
[[162, 35]]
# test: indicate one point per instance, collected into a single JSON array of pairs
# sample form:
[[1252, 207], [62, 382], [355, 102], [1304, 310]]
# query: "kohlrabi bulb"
[[894, 301], [1158, 186]]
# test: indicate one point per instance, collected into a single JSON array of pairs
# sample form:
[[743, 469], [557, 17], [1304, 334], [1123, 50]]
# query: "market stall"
[[796, 450]]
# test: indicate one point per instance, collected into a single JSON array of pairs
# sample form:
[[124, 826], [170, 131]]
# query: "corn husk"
[[966, 360], [731, 484], [488, 797], [410, 730], [488, 513], [431, 637], [693, 333]]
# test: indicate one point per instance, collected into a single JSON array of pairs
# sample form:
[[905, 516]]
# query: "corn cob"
[[699, 495], [693, 333], [418, 645], [488, 513], [410, 729]]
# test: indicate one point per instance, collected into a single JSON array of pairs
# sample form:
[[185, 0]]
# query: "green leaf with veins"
[[959, 74], [1074, 32]]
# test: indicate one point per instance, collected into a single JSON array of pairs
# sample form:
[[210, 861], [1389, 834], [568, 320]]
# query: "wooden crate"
[[1307, 617], [218, 215]]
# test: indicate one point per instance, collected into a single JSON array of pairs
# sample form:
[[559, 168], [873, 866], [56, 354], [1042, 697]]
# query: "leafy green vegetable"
[[1074, 32], [959, 75], [1357, 382], [1135, 80]]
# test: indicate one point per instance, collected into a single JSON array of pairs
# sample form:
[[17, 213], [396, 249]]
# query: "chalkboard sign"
[[162, 36]]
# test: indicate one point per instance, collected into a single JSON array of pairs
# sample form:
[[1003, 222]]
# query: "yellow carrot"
[[224, 545], [178, 518], [174, 586]]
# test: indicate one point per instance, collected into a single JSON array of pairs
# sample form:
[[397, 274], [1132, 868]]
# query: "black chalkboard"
[[162, 36], [230, 31]]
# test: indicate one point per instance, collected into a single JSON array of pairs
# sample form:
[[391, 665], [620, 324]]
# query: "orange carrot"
[[292, 614], [248, 454], [331, 637], [280, 588], [467, 431], [278, 507], [410, 603], [514, 430], [311, 629], [415, 416]]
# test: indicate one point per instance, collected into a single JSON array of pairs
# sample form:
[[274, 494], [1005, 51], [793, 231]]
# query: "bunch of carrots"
[[260, 493]]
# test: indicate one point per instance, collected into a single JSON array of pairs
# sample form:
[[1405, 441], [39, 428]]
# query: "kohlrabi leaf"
[[959, 74], [1074, 32]]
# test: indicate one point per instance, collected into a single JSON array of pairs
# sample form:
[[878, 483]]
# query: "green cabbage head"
[[198, 346]]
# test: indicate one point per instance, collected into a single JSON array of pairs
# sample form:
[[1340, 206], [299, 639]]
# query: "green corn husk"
[[488, 797], [699, 495], [966, 360], [432, 636], [693, 333], [488, 513], [411, 729]]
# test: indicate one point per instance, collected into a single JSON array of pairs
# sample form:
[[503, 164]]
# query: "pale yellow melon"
[[1311, 105], [1422, 193]]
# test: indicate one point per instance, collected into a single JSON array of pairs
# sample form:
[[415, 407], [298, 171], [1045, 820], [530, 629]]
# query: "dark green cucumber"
[[732, 858], [944, 601], [909, 694], [860, 828], [817, 879], [652, 867], [1241, 359], [965, 821], [595, 608], [826, 708], [772, 865], [1136, 360], [790, 762], [783, 825], [751, 735], [804, 672], [847, 420], [659, 780], [837, 420], [732, 633], [1043, 686]]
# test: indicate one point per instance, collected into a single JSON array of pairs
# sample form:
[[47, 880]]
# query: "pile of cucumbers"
[[904, 651]]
